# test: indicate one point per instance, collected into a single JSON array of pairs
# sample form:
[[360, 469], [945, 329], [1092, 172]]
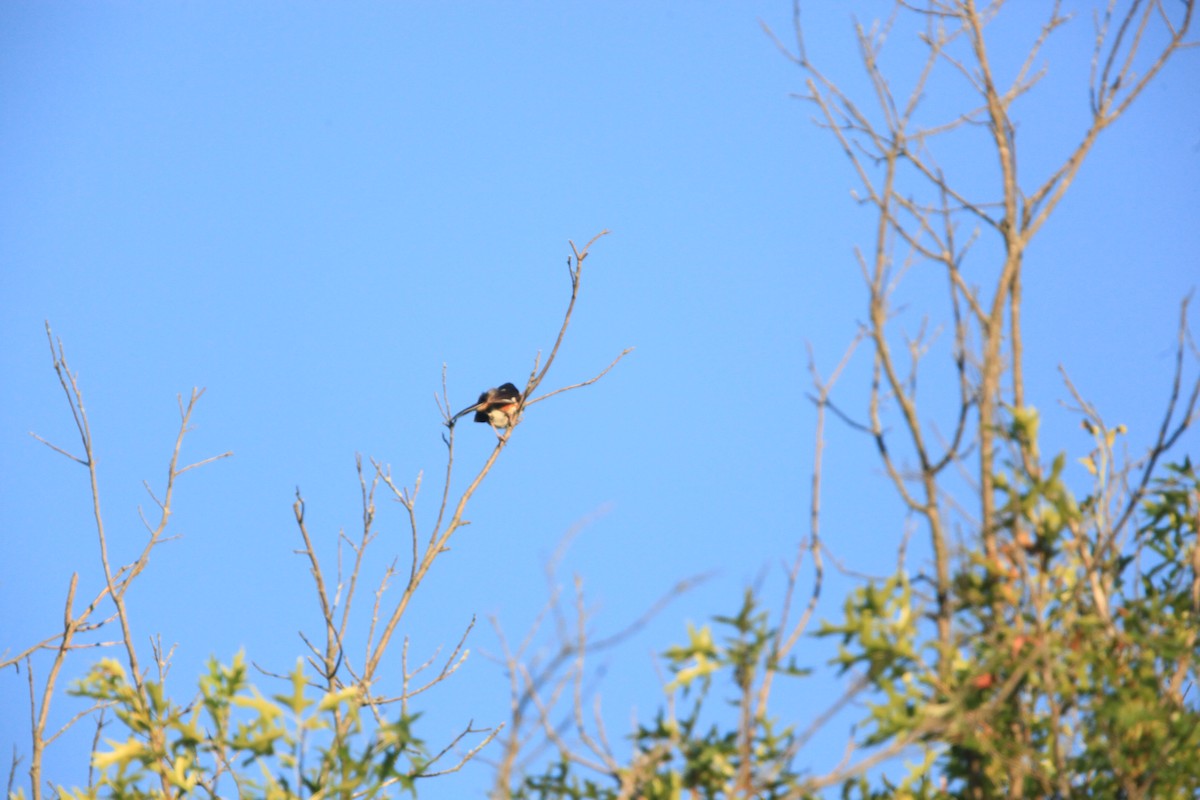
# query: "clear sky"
[[309, 208]]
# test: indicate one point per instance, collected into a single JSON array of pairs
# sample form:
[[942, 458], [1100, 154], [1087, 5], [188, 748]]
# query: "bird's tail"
[[464, 412]]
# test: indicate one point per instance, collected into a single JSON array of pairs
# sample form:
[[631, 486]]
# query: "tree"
[[342, 727], [1047, 650]]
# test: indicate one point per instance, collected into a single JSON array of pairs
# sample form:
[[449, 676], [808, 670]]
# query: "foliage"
[[1049, 696], [286, 746], [686, 751]]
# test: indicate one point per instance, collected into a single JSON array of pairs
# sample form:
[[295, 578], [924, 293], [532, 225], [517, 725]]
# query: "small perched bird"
[[497, 407]]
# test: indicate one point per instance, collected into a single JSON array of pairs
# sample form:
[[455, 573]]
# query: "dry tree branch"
[[787, 634], [552, 733], [845, 770], [116, 583], [441, 536], [58, 449], [12, 771], [577, 704], [857, 686], [1019, 84], [448, 438], [1104, 94], [575, 273], [1175, 422], [368, 535], [328, 670], [457, 657], [1171, 429], [492, 734], [540, 685], [70, 723], [588, 382]]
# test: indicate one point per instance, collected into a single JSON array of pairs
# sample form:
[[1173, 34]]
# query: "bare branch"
[[58, 449], [588, 382]]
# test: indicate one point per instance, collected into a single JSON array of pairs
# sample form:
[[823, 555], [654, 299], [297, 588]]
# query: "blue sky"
[[308, 209]]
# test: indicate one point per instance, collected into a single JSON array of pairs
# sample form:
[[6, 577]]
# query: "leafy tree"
[[1047, 647]]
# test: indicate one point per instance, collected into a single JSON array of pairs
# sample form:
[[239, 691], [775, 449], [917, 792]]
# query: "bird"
[[497, 407]]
